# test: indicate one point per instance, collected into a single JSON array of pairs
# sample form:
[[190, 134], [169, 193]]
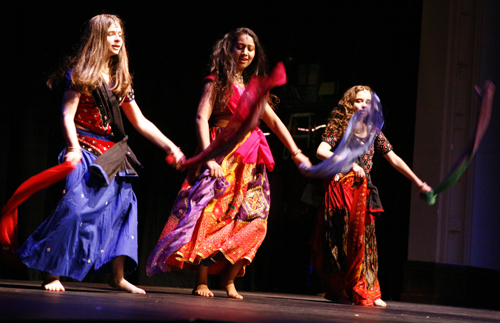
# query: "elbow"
[[200, 120], [66, 118], [322, 155]]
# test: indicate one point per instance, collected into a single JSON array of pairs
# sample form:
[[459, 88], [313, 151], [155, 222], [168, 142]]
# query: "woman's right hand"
[[215, 169], [73, 156], [425, 188], [359, 173]]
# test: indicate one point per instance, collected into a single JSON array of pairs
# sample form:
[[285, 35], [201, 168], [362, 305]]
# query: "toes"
[[203, 291], [53, 286], [237, 296]]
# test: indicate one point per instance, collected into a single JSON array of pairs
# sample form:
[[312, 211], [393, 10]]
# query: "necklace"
[[239, 77], [105, 69]]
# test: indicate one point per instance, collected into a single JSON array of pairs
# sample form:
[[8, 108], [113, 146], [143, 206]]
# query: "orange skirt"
[[231, 227]]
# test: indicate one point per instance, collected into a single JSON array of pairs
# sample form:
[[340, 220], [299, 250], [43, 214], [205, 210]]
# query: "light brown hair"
[[89, 61], [340, 116]]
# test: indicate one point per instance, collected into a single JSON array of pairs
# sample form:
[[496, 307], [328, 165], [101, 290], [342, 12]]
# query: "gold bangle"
[[298, 151]]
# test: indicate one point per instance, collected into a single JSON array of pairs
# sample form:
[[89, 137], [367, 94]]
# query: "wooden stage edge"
[[26, 301]]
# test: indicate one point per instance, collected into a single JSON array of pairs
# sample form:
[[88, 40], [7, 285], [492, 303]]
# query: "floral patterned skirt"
[[345, 246], [215, 222]]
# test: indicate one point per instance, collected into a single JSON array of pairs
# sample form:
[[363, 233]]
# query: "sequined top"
[[89, 115], [380, 144]]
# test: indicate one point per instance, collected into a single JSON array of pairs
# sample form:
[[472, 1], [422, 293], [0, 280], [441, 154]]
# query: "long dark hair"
[[223, 64], [89, 60]]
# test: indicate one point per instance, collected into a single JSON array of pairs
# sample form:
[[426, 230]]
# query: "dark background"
[[347, 42]]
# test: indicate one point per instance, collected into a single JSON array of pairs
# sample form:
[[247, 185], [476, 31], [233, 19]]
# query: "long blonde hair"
[[340, 116], [89, 61]]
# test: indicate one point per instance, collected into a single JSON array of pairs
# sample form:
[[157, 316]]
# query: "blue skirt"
[[92, 225]]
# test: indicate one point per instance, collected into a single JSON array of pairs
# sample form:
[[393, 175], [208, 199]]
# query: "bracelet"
[[422, 185], [298, 151], [72, 148]]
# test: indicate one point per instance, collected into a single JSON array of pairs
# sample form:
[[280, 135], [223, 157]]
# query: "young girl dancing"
[[95, 223], [219, 232], [346, 247]]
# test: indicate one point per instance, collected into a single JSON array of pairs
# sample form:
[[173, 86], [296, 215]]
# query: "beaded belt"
[[93, 145]]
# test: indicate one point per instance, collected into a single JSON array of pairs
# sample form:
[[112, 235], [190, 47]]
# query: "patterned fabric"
[[229, 228], [94, 145], [380, 145], [89, 114], [345, 247], [230, 214]]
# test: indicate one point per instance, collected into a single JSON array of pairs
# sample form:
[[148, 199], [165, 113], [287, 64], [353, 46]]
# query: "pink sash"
[[256, 150]]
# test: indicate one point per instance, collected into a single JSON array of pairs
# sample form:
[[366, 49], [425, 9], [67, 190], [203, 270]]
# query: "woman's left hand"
[[301, 159]]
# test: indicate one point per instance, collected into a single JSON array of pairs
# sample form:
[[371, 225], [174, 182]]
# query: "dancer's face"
[[363, 100], [114, 40], [244, 51]]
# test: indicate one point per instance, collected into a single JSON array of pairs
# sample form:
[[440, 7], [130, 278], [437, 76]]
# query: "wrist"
[[73, 149], [173, 151], [295, 153]]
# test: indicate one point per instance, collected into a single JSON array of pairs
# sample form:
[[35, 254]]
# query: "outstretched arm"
[[149, 130], [401, 167], [277, 126]]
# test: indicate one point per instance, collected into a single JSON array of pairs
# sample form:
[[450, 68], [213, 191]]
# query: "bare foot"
[[52, 283], [379, 302], [203, 290], [231, 289], [125, 285]]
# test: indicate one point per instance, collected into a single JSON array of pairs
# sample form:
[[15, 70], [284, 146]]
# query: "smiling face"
[[244, 51], [114, 40], [363, 100]]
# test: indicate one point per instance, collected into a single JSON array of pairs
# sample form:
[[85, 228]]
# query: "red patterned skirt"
[[345, 246]]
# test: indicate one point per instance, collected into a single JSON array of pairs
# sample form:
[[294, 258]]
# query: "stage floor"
[[25, 300]]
